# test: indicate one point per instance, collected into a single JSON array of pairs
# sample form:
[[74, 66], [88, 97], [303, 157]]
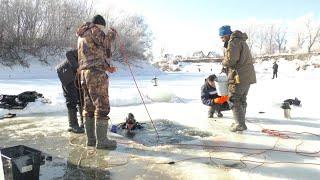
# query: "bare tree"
[[136, 36], [251, 33], [301, 39], [280, 38], [46, 27], [270, 37], [313, 31], [38, 27], [261, 38]]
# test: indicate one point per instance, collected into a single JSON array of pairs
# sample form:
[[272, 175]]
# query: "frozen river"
[[190, 146]]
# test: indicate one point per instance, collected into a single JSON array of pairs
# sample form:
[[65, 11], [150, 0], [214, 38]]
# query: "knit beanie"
[[225, 30], [98, 19]]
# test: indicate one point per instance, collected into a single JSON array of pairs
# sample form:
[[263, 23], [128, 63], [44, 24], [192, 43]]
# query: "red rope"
[[122, 50], [276, 133]]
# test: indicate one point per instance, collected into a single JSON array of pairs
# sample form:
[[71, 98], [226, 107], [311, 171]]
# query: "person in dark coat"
[[67, 71], [275, 70], [208, 94]]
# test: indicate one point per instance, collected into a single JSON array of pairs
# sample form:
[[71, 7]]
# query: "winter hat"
[[98, 19], [225, 30], [212, 77]]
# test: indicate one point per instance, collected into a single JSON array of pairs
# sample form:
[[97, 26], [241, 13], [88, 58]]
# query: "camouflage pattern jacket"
[[238, 59], [94, 47]]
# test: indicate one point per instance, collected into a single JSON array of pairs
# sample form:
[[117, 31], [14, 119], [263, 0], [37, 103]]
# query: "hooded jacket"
[[68, 68], [238, 57], [93, 45]]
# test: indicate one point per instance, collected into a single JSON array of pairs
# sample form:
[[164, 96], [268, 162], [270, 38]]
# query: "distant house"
[[168, 57], [178, 57], [198, 54], [213, 54]]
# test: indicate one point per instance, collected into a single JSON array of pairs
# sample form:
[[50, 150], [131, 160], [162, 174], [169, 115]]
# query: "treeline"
[[44, 28], [272, 38], [135, 36]]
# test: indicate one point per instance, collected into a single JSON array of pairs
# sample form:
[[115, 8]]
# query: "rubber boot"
[[243, 122], [101, 132], [73, 121], [219, 114], [238, 115], [243, 115], [211, 112], [244, 106], [90, 131], [238, 127]]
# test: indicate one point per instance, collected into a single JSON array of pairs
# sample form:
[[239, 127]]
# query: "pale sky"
[[184, 26]]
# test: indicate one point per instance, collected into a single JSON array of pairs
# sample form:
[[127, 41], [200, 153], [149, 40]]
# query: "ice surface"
[[180, 119]]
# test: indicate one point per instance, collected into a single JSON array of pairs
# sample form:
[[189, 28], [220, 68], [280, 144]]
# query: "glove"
[[111, 69], [221, 99]]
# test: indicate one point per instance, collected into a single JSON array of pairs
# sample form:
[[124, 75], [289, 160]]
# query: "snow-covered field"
[[180, 118]]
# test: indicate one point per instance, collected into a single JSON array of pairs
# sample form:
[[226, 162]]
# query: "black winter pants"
[[71, 93]]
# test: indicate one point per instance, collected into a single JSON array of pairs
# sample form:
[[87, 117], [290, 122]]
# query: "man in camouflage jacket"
[[94, 60], [241, 74]]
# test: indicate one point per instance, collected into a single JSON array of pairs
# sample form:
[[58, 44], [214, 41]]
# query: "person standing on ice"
[[208, 96], [238, 65], [67, 71], [275, 70], [94, 56]]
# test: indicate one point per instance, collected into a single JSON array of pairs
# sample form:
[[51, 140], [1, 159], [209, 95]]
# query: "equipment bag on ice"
[[21, 100]]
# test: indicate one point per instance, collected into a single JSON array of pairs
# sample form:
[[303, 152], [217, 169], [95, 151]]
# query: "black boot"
[[73, 122], [219, 114], [218, 111], [211, 112]]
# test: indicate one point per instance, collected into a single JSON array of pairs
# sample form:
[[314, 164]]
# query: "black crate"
[[21, 163]]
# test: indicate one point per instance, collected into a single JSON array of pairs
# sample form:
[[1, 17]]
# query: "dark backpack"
[[294, 101]]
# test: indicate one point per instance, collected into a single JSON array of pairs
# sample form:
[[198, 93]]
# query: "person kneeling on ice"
[[210, 97], [131, 123]]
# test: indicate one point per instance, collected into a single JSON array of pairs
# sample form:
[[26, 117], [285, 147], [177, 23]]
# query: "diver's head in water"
[[130, 121]]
